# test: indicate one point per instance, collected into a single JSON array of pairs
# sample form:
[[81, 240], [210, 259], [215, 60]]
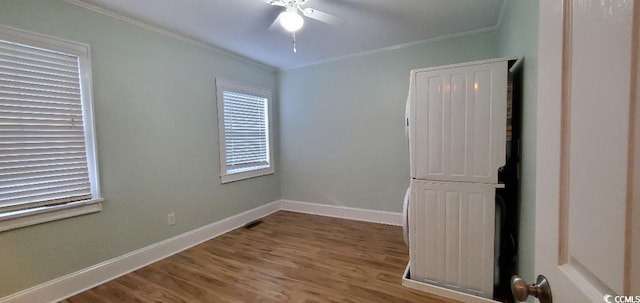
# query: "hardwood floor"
[[290, 257]]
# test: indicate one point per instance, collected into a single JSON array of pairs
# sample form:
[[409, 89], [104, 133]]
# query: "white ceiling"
[[242, 26]]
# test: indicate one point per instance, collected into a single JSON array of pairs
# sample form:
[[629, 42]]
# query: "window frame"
[[26, 217], [226, 85]]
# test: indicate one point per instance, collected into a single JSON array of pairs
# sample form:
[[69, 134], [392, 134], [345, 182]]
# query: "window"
[[47, 153], [244, 115]]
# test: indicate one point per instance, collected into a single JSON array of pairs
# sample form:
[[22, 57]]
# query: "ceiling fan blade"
[[275, 2], [275, 24], [322, 16]]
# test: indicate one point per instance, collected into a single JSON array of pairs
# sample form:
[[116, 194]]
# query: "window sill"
[[246, 175], [39, 215]]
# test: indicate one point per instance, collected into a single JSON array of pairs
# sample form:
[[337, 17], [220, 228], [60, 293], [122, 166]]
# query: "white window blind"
[[245, 130], [43, 148], [245, 133]]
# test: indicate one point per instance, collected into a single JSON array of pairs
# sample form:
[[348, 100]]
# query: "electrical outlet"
[[171, 219]]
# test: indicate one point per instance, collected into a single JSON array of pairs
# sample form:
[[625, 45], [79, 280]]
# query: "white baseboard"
[[359, 214], [77, 282], [74, 283]]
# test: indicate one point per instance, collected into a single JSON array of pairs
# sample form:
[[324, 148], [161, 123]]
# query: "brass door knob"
[[540, 290]]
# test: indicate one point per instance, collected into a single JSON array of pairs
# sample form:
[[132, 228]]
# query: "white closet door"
[[451, 231], [458, 122]]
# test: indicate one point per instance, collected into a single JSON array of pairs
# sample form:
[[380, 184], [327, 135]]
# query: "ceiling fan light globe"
[[291, 21]]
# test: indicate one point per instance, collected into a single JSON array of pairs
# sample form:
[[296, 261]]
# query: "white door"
[[451, 231], [586, 160], [457, 121]]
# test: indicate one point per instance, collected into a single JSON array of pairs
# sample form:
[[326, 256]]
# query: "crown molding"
[[503, 11], [156, 29], [397, 47]]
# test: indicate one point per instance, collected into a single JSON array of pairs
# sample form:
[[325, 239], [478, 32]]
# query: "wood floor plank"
[[290, 257]]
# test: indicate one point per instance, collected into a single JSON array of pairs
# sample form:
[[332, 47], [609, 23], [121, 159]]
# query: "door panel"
[[451, 232], [483, 104], [458, 131], [434, 110], [584, 90], [598, 151], [460, 118]]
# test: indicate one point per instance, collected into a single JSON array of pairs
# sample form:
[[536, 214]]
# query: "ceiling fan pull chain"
[[294, 42]]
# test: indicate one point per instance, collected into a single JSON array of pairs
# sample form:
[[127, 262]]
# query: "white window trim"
[[22, 218], [221, 86]]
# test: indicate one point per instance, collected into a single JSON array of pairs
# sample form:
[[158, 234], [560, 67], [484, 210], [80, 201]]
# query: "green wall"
[[518, 37], [342, 123], [157, 137]]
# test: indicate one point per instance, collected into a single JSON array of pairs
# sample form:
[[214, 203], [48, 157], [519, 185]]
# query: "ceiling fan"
[[291, 20]]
